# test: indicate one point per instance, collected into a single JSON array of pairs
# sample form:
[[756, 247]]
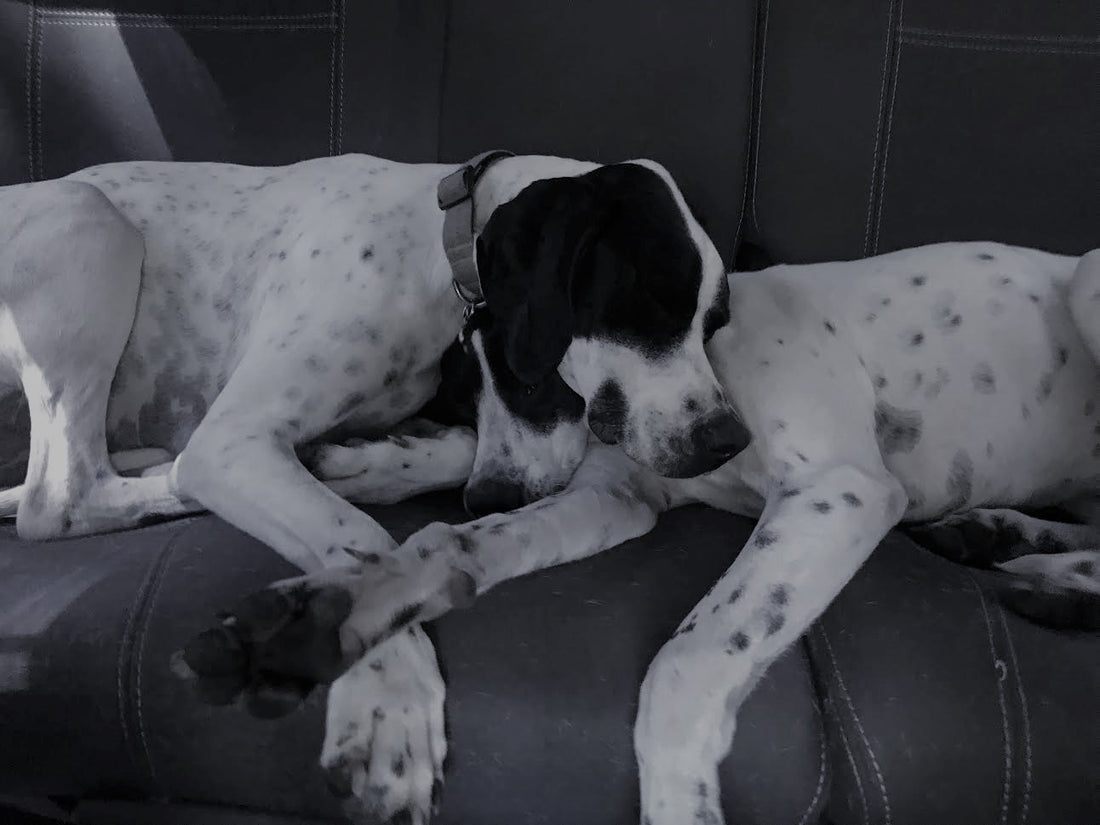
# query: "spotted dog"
[[258, 342], [939, 385]]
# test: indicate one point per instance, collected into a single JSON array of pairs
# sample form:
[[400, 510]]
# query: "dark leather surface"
[[608, 81], [543, 675], [886, 124]]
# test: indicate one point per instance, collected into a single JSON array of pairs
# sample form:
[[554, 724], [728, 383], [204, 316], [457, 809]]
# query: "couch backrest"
[[891, 123]]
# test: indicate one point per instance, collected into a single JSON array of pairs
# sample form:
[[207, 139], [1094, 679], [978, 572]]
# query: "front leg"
[[318, 625], [815, 532], [384, 735]]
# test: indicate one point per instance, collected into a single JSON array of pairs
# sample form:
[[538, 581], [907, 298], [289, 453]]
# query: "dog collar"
[[455, 195]]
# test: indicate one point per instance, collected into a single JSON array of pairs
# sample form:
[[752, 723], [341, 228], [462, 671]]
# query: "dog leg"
[[809, 542], [384, 733], [396, 468], [1052, 568], [66, 308], [440, 567]]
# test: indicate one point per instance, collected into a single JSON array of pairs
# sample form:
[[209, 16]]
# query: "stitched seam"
[[820, 772], [1034, 38], [39, 143], [156, 579], [126, 24], [340, 79], [1000, 699], [855, 773], [977, 47], [32, 20], [760, 112], [126, 649], [332, 84], [109, 15], [1024, 717], [750, 151], [889, 131], [878, 130], [859, 726]]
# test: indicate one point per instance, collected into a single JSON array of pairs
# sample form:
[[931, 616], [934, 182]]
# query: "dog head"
[[601, 290]]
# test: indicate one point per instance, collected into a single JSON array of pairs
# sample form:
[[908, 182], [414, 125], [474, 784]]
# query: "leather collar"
[[455, 195]]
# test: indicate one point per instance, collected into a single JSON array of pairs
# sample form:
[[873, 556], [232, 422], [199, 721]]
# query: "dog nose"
[[492, 496], [722, 436]]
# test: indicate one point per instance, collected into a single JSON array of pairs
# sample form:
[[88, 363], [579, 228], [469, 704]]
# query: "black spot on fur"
[[790, 492], [1083, 568], [405, 615], [735, 595], [852, 500], [916, 339], [367, 253], [398, 766], [1046, 386], [918, 280], [765, 537], [739, 640], [983, 379], [780, 595], [1063, 356], [774, 623], [984, 256], [880, 382], [314, 253], [822, 506], [830, 327], [897, 430]]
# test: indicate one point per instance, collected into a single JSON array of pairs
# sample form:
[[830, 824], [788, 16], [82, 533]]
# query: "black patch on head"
[[897, 430], [606, 254], [607, 413], [718, 314]]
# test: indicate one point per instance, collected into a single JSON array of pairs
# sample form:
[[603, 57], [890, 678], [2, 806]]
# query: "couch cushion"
[[604, 81], [891, 124], [543, 678]]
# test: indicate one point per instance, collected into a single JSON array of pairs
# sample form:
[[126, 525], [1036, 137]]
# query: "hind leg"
[[1052, 569], [68, 304]]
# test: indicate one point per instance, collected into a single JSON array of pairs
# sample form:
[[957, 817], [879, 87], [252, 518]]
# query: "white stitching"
[[340, 79], [821, 760], [38, 60], [759, 117], [109, 15], [980, 47], [889, 132], [855, 774], [1025, 804], [997, 665], [859, 726], [878, 129], [127, 24], [1035, 38], [32, 14]]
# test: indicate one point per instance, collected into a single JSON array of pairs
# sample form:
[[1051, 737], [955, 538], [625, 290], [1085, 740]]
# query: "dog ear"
[[529, 255]]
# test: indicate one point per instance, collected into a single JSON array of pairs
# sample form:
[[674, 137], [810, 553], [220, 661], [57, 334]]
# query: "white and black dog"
[[205, 336], [945, 382]]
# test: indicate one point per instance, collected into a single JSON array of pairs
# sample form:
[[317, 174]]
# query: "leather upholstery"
[[864, 126]]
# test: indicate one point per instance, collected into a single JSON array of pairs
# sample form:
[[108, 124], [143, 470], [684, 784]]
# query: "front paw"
[[384, 735], [274, 648]]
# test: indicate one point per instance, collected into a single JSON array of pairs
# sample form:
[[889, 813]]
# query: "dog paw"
[[274, 648], [384, 736]]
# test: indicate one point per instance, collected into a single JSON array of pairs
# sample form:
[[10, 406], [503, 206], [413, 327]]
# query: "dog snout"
[[719, 438], [492, 496]]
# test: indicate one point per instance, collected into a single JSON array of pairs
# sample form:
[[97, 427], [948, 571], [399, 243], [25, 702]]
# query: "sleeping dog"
[[939, 385], [196, 336]]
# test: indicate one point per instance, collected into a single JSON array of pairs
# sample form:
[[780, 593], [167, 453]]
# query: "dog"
[[939, 386], [257, 342]]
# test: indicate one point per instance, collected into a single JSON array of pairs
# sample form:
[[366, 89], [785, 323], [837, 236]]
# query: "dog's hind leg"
[[67, 303], [1052, 568], [415, 460]]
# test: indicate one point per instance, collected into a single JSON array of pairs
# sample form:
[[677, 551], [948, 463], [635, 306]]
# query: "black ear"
[[528, 256]]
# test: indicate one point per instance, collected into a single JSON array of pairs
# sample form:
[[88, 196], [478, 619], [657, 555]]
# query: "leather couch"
[[800, 131]]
